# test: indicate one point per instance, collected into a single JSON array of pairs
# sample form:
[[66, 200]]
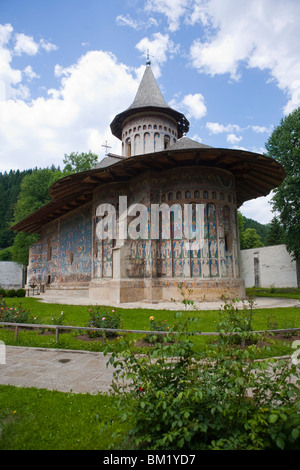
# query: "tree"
[[284, 146], [34, 193], [276, 234], [6, 254], [251, 239], [241, 223], [75, 162], [9, 190]]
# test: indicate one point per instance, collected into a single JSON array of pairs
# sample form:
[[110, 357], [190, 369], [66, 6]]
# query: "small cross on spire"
[[107, 147], [148, 61]]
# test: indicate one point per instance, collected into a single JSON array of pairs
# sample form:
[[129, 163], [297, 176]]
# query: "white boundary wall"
[[268, 266], [11, 275]]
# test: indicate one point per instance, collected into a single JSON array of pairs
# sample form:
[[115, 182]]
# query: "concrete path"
[[56, 369], [260, 302]]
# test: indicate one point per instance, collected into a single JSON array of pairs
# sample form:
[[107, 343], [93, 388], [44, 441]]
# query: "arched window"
[[196, 194], [137, 144], [205, 194], [147, 143], [166, 141], [178, 195], [157, 146], [128, 147], [187, 194]]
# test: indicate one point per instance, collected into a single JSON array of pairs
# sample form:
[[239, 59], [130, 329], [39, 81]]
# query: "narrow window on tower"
[[128, 148], [166, 141]]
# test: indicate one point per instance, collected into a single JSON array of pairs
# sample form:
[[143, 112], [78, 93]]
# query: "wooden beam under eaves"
[[97, 179], [172, 159], [111, 174]]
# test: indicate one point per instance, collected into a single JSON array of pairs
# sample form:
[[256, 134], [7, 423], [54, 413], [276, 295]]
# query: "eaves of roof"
[[255, 175]]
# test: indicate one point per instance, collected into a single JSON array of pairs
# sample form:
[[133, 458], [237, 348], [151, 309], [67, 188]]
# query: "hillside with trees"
[[23, 192], [10, 184]]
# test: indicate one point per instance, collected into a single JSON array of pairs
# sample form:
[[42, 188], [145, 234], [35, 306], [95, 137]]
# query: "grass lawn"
[[33, 419], [133, 319], [37, 419], [283, 292]]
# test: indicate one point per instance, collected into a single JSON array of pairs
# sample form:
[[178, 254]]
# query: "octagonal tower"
[[149, 124]]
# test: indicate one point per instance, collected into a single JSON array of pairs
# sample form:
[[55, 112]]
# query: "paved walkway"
[[260, 302], [56, 369], [81, 371]]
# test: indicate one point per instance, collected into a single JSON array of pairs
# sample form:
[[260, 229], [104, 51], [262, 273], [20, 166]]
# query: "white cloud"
[[258, 209], [192, 104], [73, 117], [262, 129], [233, 139], [160, 46], [9, 77], [30, 73], [260, 34], [25, 45], [12, 44], [173, 9], [5, 33], [48, 46], [127, 20], [255, 33], [216, 128], [122, 20]]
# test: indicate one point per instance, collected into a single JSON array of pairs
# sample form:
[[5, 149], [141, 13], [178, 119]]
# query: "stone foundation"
[[155, 290]]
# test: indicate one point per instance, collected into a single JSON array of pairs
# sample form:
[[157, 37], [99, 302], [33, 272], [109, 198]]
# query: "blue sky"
[[67, 67]]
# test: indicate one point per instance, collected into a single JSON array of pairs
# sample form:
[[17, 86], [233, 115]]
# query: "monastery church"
[[159, 167]]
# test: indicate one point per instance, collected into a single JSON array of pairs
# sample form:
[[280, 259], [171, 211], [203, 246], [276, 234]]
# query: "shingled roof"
[[149, 98], [186, 143]]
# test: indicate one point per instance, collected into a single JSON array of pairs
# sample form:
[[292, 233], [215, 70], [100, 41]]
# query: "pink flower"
[[103, 318]]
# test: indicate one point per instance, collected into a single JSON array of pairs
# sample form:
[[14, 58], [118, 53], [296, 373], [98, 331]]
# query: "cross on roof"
[[106, 146], [148, 61]]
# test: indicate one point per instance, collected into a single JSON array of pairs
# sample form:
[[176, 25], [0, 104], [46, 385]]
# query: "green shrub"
[[101, 318], [179, 399], [21, 292], [11, 293], [236, 319], [157, 325], [15, 314], [59, 319], [2, 292]]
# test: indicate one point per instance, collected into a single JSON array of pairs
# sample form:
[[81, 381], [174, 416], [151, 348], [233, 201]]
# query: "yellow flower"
[[151, 318]]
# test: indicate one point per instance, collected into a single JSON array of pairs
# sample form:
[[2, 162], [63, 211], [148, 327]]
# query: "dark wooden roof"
[[255, 175]]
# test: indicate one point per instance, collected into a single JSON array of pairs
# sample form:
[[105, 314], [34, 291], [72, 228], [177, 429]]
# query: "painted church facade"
[[159, 167]]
